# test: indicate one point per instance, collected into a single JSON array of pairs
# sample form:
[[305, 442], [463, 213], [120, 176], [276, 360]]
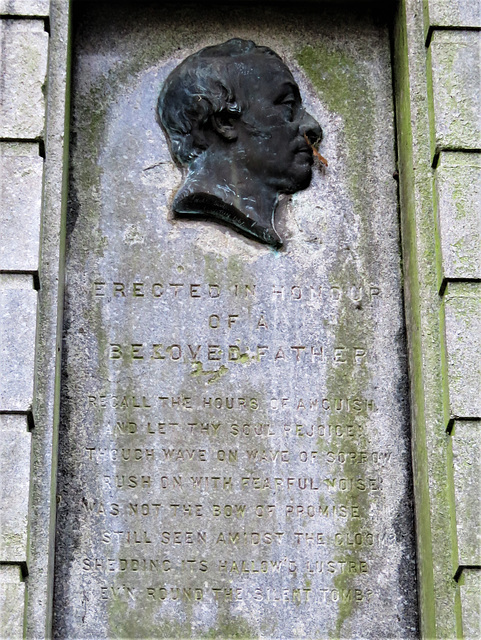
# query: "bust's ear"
[[224, 124]]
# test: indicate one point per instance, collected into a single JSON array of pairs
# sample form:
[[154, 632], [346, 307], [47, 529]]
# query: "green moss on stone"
[[344, 88]]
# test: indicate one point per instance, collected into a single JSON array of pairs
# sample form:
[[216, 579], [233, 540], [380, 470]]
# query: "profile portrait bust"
[[233, 117]]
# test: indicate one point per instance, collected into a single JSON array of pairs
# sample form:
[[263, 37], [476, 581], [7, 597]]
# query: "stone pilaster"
[[453, 40], [23, 68]]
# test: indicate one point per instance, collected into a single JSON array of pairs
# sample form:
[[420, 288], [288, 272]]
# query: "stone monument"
[[234, 441]]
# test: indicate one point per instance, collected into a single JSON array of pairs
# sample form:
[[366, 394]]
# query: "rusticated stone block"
[[24, 7], [471, 603], [14, 464], [463, 347], [21, 171], [455, 13], [458, 186], [456, 63], [12, 602], [467, 490], [18, 308], [23, 55]]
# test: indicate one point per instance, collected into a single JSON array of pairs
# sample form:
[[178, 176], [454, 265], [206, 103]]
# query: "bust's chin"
[[219, 189], [298, 179], [201, 204]]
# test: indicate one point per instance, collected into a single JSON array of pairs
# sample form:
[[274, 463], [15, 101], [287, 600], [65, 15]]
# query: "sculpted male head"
[[233, 116]]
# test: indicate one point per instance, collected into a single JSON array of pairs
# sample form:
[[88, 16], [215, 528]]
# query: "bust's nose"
[[310, 127]]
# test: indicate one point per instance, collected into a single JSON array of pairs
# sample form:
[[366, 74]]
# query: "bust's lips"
[[305, 153]]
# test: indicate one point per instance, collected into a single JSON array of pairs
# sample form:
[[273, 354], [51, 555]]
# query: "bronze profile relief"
[[233, 117]]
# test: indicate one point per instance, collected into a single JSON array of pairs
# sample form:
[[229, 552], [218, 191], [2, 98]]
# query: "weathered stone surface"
[[10, 281], [21, 171], [14, 487], [18, 309], [23, 59], [458, 185], [234, 453], [24, 7], [455, 13], [471, 603], [44, 445], [463, 347], [456, 73], [12, 598], [467, 490]]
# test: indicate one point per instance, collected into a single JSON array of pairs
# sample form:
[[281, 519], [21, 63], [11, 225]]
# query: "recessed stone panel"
[[20, 206], [24, 50], [18, 310], [12, 601], [470, 603], [456, 13], [24, 7], [463, 346], [14, 463], [456, 74], [467, 490], [458, 184], [234, 441]]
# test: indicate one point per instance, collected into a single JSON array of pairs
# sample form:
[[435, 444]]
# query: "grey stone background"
[[341, 235]]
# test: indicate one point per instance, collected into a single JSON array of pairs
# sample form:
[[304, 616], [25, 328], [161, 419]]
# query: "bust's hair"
[[205, 83]]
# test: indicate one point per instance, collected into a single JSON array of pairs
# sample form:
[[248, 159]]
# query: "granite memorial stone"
[[234, 444]]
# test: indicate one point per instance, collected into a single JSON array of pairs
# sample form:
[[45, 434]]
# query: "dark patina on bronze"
[[233, 117]]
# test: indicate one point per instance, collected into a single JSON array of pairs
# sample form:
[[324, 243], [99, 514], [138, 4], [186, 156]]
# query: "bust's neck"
[[221, 188]]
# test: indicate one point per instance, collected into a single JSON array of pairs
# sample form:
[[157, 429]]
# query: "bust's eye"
[[288, 103]]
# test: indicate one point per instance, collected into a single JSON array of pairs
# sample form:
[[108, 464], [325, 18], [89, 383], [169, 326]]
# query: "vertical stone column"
[[437, 71], [23, 67], [453, 39]]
